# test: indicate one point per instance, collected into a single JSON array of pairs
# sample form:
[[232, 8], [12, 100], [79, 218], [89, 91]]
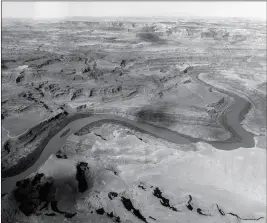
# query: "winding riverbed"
[[231, 121]]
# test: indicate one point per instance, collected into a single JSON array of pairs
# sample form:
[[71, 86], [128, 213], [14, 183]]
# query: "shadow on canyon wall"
[[156, 114], [150, 37]]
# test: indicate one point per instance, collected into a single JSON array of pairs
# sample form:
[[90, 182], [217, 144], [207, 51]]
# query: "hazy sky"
[[139, 9]]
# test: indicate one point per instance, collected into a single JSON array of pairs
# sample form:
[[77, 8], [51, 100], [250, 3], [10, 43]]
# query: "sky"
[[50, 10]]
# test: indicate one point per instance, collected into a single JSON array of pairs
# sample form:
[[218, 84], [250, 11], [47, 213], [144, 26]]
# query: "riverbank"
[[230, 121]]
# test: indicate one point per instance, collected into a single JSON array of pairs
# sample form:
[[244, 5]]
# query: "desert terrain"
[[133, 120]]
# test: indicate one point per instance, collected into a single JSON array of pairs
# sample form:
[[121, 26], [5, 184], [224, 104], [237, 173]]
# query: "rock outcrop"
[[82, 169], [68, 71], [20, 78], [217, 108], [123, 63], [117, 71], [31, 193], [76, 93], [34, 196], [90, 67], [77, 77]]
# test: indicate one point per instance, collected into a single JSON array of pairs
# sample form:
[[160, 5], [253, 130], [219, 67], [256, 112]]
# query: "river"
[[231, 121]]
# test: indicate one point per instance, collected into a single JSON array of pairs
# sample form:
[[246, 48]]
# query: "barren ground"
[[140, 70]]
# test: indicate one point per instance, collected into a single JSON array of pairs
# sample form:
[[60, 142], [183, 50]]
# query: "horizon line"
[[137, 17]]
